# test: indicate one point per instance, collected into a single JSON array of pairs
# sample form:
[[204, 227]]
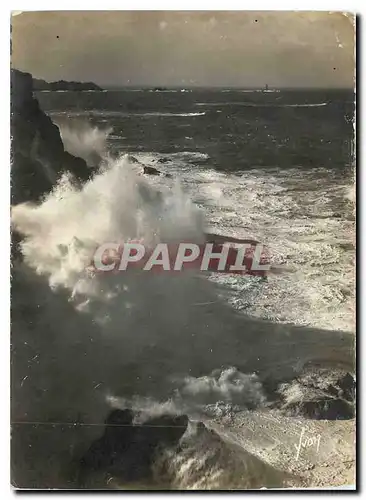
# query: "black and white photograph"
[[183, 250]]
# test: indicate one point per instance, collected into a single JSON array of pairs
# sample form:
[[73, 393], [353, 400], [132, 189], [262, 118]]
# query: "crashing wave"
[[87, 142]]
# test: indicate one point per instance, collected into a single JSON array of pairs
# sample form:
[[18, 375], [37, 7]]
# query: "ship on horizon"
[[267, 89]]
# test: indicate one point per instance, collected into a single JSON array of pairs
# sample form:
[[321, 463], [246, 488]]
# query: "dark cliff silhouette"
[[38, 154]]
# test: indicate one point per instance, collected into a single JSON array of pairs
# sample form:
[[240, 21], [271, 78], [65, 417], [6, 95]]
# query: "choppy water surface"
[[276, 167]]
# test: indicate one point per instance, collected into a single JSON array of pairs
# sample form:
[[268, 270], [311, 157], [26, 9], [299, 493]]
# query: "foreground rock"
[[127, 450], [38, 155], [170, 452]]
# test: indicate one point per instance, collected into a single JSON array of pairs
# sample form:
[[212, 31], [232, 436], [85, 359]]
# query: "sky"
[[186, 49]]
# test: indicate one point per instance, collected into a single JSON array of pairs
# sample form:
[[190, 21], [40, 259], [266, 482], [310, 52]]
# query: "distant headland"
[[39, 84]]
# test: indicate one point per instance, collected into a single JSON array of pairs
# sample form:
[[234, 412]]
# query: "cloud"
[[167, 48]]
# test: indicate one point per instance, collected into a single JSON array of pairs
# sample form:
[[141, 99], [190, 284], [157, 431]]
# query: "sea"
[[274, 166]]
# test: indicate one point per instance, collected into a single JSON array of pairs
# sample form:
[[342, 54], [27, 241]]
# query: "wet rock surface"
[[151, 171]]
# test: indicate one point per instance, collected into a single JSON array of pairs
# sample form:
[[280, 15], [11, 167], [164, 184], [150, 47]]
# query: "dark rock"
[[155, 171], [163, 160], [132, 159], [165, 430], [147, 170], [38, 155], [114, 442], [347, 384], [151, 171], [127, 450]]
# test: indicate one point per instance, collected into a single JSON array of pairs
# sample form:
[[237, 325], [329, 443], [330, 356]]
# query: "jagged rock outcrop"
[[38, 154], [151, 171], [39, 84]]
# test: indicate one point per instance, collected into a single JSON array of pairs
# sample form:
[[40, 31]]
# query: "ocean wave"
[[257, 204], [314, 105], [180, 159], [102, 112], [167, 91], [169, 114], [222, 196], [195, 155], [116, 137], [83, 140], [261, 105], [227, 385]]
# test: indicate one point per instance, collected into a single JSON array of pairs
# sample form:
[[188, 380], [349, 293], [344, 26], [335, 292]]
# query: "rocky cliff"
[[38, 154]]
